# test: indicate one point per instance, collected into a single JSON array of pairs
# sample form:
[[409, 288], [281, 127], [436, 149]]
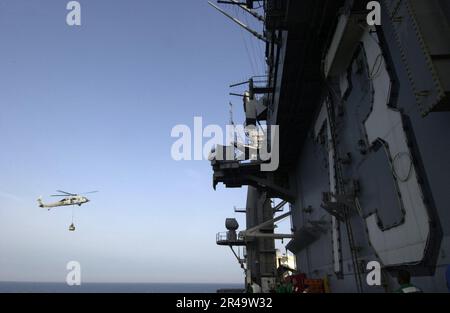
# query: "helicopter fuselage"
[[73, 200]]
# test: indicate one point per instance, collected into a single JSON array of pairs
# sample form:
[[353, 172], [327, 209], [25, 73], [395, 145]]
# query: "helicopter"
[[69, 199]]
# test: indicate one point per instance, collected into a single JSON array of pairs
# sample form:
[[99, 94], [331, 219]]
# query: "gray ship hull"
[[364, 121]]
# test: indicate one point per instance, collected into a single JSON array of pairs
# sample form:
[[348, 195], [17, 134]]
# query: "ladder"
[[341, 190]]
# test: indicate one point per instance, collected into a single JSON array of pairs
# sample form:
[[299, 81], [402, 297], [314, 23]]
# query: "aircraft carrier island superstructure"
[[362, 108]]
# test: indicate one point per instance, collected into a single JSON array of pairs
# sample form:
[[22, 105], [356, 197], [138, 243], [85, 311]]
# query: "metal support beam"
[[237, 257], [236, 210], [255, 232], [280, 205]]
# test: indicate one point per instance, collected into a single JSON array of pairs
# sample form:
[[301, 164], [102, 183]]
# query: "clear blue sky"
[[92, 108]]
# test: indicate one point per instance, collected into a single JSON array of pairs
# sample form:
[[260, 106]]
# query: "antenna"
[[254, 33], [233, 127], [231, 115]]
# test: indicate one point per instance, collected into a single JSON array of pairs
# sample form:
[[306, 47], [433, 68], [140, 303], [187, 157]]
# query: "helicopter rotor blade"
[[67, 193], [89, 192]]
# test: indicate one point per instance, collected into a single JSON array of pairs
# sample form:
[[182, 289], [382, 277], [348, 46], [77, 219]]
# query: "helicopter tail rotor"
[[39, 200]]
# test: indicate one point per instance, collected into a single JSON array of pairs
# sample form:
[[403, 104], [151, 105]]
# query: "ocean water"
[[22, 287]]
